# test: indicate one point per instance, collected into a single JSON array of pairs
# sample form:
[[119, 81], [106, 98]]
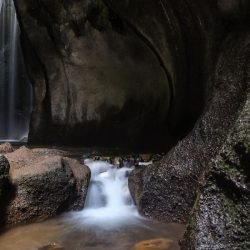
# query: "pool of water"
[[72, 233]]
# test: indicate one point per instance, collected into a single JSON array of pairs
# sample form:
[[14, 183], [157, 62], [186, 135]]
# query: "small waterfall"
[[1, 3], [15, 91], [108, 199]]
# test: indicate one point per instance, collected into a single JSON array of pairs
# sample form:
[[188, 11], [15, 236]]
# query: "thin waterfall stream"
[[108, 197], [15, 90]]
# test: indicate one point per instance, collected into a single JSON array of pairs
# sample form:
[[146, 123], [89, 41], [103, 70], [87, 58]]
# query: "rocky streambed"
[[43, 183]]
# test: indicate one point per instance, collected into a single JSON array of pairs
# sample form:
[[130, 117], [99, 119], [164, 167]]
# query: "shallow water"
[[72, 233], [110, 220]]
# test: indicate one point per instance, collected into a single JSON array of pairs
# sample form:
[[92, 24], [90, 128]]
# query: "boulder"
[[4, 176], [167, 190], [44, 184], [6, 148], [221, 215]]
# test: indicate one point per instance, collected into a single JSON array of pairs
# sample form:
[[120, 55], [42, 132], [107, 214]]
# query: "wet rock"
[[52, 246], [221, 214], [4, 176], [44, 185], [154, 244], [157, 157], [6, 148], [146, 157], [117, 161], [166, 190], [4, 187]]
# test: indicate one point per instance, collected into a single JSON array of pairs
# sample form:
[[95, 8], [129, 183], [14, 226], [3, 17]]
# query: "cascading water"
[[15, 91], [108, 199]]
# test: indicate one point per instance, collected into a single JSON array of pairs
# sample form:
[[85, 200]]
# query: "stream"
[[109, 220]]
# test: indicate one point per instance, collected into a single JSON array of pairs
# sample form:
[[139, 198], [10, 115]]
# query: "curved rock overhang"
[[118, 72]]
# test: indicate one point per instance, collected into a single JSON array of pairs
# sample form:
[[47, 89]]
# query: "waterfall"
[[1, 3], [15, 91], [108, 200]]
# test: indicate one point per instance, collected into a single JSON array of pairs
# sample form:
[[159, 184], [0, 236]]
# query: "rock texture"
[[93, 77], [167, 190], [4, 187], [114, 73], [4, 176], [6, 148], [44, 184], [53, 246], [221, 214]]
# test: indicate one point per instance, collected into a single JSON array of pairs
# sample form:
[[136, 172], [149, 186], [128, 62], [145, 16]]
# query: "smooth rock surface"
[[93, 78], [44, 184], [110, 72]]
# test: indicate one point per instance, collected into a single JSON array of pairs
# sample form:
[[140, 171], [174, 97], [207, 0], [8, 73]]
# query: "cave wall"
[[220, 217], [94, 80], [113, 72], [167, 190]]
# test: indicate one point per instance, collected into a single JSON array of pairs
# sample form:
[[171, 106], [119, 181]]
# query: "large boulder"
[[44, 184], [167, 190], [221, 214]]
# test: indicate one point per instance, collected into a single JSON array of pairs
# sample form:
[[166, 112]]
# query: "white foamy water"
[[108, 200]]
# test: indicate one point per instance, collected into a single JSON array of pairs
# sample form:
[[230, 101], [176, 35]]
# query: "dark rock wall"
[[4, 175], [221, 214], [113, 72], [167, 190], [183, 36], [94, 80], [4, 187]]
